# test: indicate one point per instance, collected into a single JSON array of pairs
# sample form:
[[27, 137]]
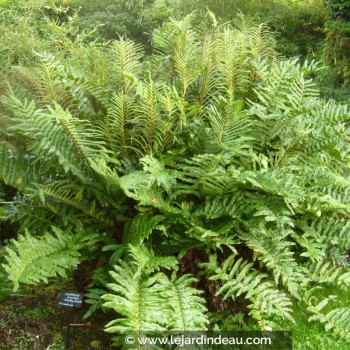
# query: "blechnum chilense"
[[209, 170]]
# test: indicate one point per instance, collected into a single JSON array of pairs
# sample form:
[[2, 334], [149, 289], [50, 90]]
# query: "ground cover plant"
[[207, 173]]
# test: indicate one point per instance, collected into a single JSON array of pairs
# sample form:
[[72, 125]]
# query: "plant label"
[[70, 299]]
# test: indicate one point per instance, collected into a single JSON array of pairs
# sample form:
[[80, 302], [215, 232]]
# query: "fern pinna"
[[210, 161]]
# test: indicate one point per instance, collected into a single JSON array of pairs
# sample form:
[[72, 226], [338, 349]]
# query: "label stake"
[[69, 300], [68, 328]]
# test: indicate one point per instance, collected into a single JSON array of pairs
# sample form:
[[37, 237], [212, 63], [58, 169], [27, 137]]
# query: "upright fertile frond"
[[97, 82], [260, 42], [149, 124], [172, 115], [232, 60], [125, 56], [179, 40], [209, 84], [114, 128], [32, 260]]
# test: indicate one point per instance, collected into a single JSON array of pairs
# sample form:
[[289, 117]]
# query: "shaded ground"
[[37, 322]]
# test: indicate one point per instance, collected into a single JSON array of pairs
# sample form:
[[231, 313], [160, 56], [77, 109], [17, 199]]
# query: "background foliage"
[[338, 40]]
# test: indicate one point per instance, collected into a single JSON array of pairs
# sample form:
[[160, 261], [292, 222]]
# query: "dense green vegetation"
[[154, 163]]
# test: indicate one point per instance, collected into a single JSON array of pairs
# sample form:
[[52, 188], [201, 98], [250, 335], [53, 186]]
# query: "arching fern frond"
[[32, 259], [238, 277], [338, 319], [328, 273], [276, 253]]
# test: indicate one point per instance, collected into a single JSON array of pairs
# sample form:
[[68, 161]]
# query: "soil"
[[37, 322]]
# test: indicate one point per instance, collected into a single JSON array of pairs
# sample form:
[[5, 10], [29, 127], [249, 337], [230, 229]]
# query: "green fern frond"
[[338, 319], [60, 194], [44, 135], [141, 227], [114, 127], [276, 253], [204, 173], [188, 307], [80, 133], [32, 259], [330, 232], [13, 167], [125, 56], [327, 273], [51, 89], [139, 302], [238, 277], [158, 174], [226, 205], [152, 303], [230, 127], [147, 262]]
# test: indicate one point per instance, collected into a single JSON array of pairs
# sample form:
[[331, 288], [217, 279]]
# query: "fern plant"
[[148, 300], [210, 166], [32, 259]]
